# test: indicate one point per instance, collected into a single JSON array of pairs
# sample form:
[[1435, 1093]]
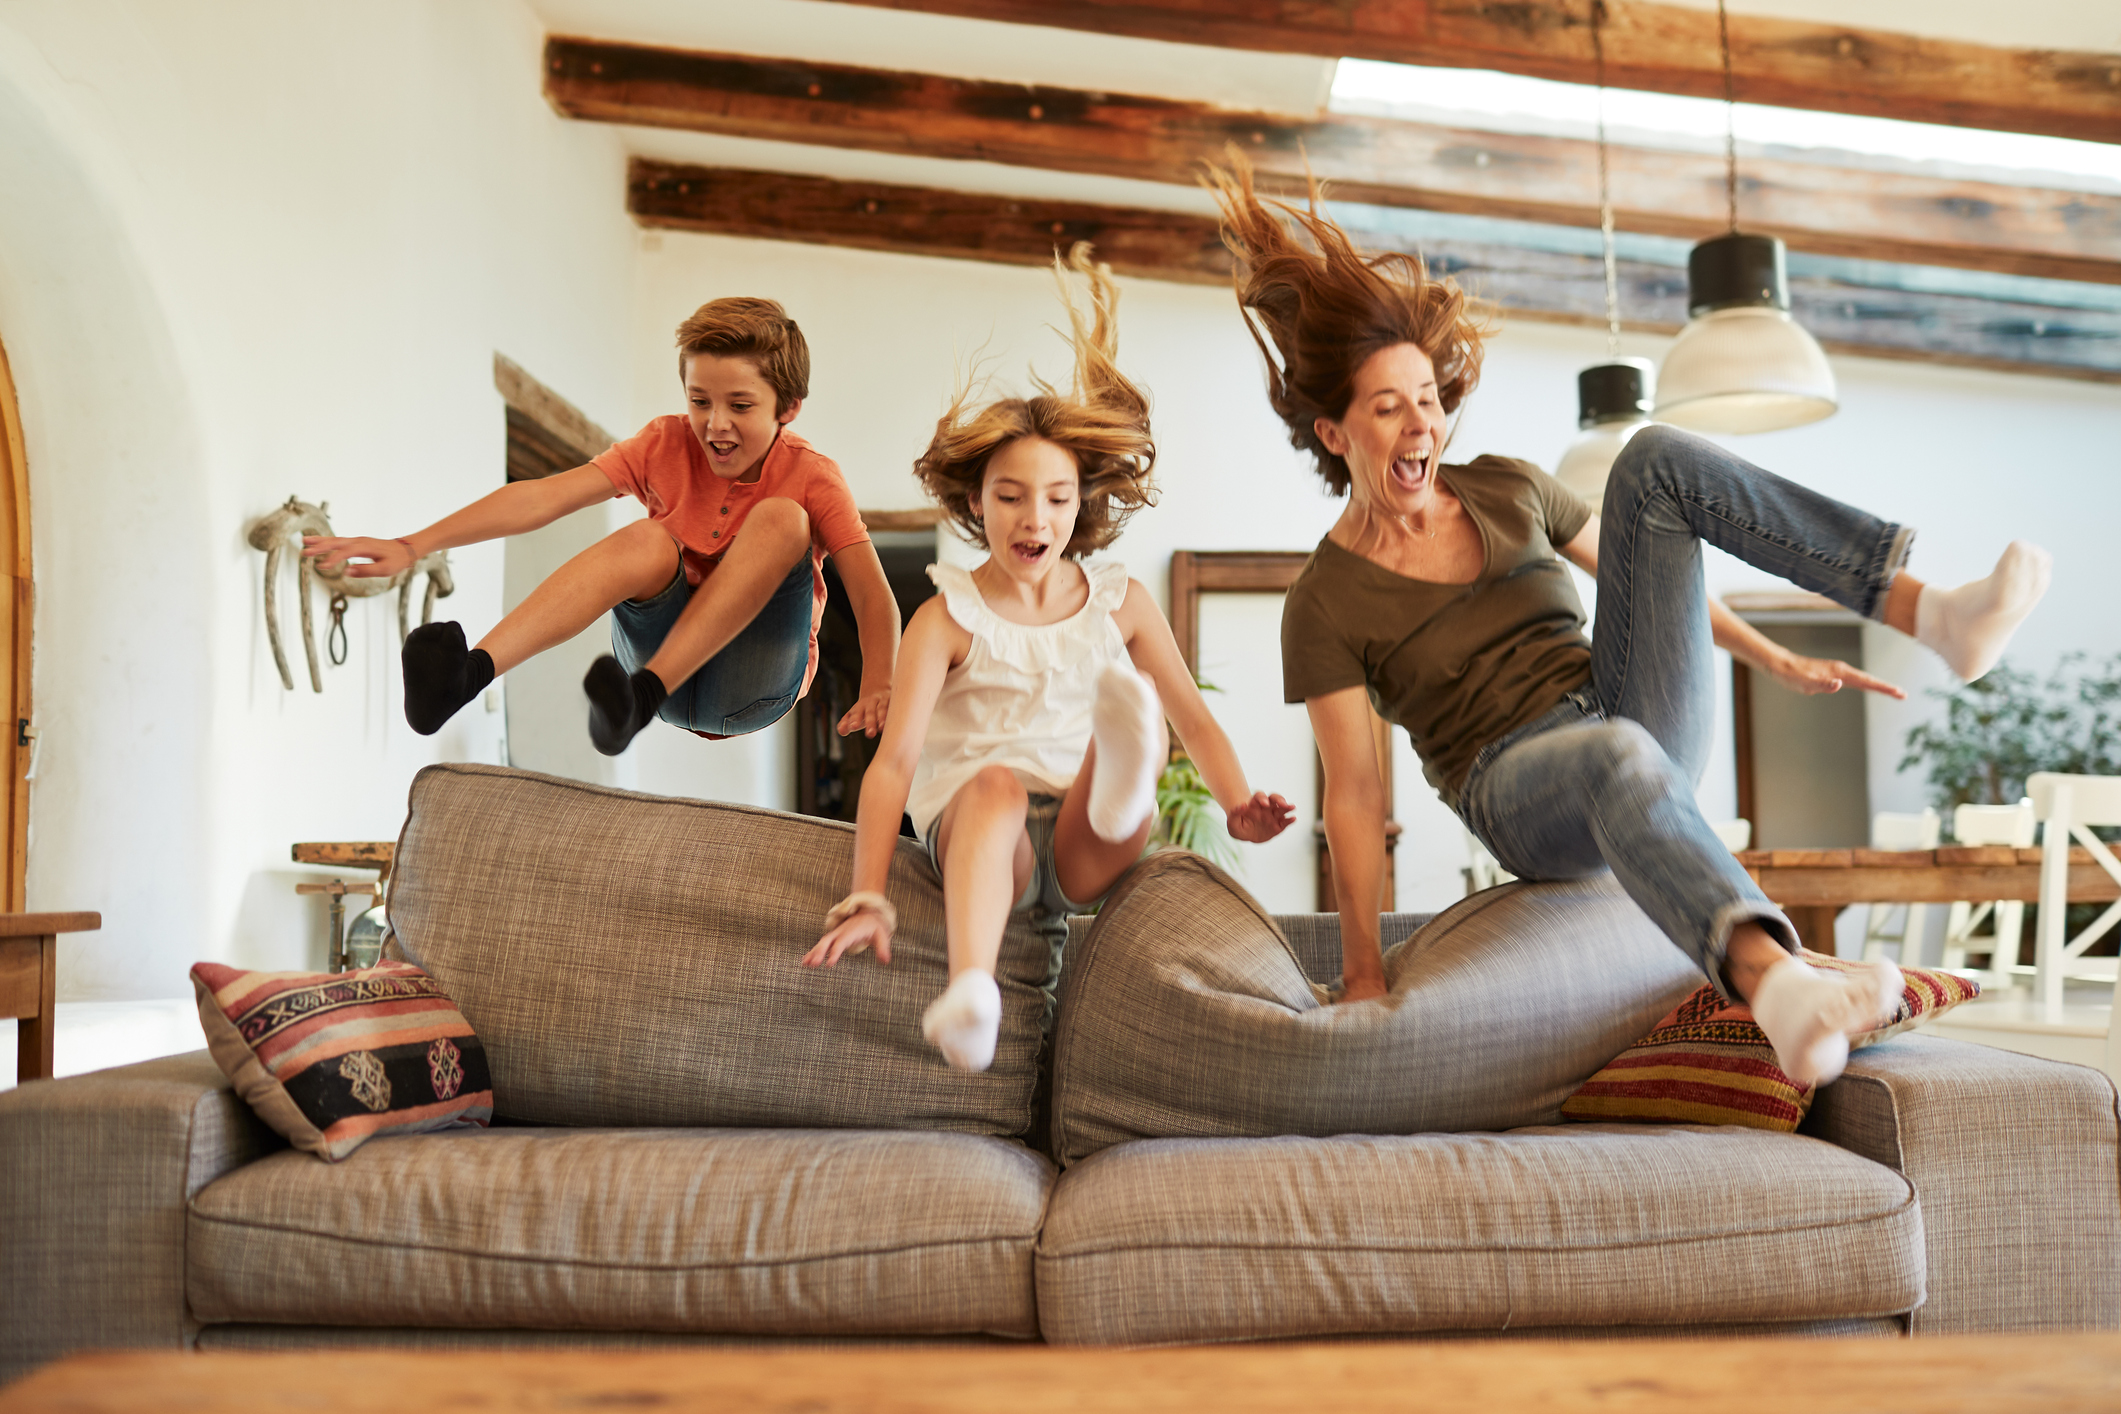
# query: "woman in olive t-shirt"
[[1441, 598]]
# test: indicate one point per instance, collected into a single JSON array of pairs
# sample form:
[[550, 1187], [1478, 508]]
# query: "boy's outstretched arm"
[[876, 620], [1253, 816], [517, 507]]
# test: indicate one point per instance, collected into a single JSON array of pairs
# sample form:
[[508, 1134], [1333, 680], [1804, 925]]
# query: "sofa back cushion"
[[635, 960], [1185, 1014]]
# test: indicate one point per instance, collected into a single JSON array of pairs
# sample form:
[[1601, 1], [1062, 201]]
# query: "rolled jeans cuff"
[[1715, 948], [1893, 561]]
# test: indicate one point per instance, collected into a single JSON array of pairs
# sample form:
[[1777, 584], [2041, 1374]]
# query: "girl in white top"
[[1031, 676]]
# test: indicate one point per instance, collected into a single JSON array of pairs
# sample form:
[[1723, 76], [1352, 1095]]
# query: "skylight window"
[[1509, 103]]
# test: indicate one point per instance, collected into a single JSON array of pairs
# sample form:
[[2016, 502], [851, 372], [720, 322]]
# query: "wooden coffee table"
[[2053, 1374], [1814, 885]]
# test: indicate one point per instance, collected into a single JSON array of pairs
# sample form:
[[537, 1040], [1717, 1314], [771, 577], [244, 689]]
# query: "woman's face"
[[1393, 431], [1028, 502]]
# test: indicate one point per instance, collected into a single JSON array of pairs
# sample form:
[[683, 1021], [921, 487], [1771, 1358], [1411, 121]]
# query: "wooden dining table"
[[1814, 885]]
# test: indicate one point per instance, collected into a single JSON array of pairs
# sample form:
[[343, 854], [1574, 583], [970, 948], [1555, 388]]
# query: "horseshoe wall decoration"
[[280, 534]]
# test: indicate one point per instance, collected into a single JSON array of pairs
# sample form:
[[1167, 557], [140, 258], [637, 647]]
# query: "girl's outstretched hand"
[[1260, 819], [868, 712], [383, 557], [857, 934]]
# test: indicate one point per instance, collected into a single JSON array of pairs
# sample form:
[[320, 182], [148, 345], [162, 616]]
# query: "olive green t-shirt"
[[1457, 665]]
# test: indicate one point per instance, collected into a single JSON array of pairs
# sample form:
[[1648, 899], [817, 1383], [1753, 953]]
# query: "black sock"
[[440, 676], [620, 707]]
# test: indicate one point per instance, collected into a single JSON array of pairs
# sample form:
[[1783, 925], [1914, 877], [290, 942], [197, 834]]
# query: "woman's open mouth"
[[1411, 473]]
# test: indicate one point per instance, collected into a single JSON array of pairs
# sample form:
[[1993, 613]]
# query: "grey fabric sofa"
[[699, 1140]]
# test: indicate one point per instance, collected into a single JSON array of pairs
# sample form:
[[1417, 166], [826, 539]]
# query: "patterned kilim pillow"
[[1710, 1063], [332, 1059]]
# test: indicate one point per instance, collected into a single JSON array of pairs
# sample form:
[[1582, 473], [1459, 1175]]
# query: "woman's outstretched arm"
[[1748, 644], [1354, 812]]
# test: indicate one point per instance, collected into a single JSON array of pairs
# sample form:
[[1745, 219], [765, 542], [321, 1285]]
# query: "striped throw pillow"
[[332, 1059], [1708, 1062]]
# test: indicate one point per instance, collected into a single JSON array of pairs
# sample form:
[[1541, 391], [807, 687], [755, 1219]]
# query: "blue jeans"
[[1606, 779], [747, 686]]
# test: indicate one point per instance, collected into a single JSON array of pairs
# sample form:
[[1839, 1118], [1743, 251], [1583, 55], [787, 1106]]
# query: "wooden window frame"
[[1198, 572]]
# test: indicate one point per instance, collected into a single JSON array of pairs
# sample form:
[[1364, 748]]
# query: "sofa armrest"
[[95, 1175], [2017, 1164]]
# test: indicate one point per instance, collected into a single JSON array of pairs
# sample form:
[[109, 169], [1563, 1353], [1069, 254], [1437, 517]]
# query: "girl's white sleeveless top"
[[1021, 698]]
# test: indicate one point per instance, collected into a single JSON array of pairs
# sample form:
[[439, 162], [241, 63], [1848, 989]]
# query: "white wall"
[[247, 251]]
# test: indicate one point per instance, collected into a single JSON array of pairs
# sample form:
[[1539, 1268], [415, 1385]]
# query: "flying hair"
[[1326, 307], [1102, 420]]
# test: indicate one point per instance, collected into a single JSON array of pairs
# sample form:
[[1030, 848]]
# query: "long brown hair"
[[1102, 419], [1328, 307]]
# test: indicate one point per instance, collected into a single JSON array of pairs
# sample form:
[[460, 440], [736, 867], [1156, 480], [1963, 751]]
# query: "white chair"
[[1899, 831], [2068, 807], [1975, 825], [1737, 835]]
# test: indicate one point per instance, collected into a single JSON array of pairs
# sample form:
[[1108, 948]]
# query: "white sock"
[[1968, 626], [1809, 1015], [966, 1020], [1124, 725]]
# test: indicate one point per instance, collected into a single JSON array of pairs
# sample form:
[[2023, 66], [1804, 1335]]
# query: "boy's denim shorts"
[[747, 686], [1043, 889]]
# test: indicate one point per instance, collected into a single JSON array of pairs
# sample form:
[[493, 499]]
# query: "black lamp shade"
[[1614, 392], [1735, 270]]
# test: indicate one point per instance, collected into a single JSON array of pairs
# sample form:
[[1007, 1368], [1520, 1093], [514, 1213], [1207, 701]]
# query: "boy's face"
[[731, 411]]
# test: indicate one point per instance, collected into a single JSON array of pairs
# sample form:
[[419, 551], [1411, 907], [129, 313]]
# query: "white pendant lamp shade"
[[1742, 364], [1613, 404]]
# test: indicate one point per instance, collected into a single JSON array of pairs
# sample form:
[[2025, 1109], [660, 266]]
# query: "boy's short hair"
[[757, 329]]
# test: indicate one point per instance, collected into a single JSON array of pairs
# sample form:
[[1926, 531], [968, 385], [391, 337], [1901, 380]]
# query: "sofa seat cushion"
[[634, 960], [1185, 1014], [789, 1232], [1178, 1240]]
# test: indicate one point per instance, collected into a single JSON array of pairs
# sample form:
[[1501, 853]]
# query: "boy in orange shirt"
[[716, 597]]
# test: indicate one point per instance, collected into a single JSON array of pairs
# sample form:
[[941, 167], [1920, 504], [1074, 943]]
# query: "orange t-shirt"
[[664, 467]]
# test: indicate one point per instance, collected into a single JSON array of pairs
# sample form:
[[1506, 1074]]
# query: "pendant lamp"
[[1613, 404], [1741, 364], [1612, 398]]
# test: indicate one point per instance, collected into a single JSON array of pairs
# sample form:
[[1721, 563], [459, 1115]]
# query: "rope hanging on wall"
[[280, 534]]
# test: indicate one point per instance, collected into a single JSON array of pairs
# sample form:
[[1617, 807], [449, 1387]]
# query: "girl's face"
[[1393, 431], [1027, 502]]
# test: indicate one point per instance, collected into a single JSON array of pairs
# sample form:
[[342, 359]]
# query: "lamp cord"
[[1605, 193], [1730, 118]]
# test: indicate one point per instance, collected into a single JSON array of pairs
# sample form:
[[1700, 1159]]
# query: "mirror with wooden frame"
[[1198, 572]]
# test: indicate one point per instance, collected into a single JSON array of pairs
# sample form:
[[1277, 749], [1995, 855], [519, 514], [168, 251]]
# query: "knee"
[[780, 518], [640, 535], [1646, 454], [1631, 760], [997, 790]]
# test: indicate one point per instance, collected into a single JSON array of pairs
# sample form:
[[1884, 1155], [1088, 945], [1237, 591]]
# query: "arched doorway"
[[17, 617]]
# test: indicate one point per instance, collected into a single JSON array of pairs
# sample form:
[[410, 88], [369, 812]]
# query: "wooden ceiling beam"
[[1168, 245], [1661, 48], [1831, 210]]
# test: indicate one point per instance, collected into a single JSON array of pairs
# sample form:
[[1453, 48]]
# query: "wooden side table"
[[29, 974]]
